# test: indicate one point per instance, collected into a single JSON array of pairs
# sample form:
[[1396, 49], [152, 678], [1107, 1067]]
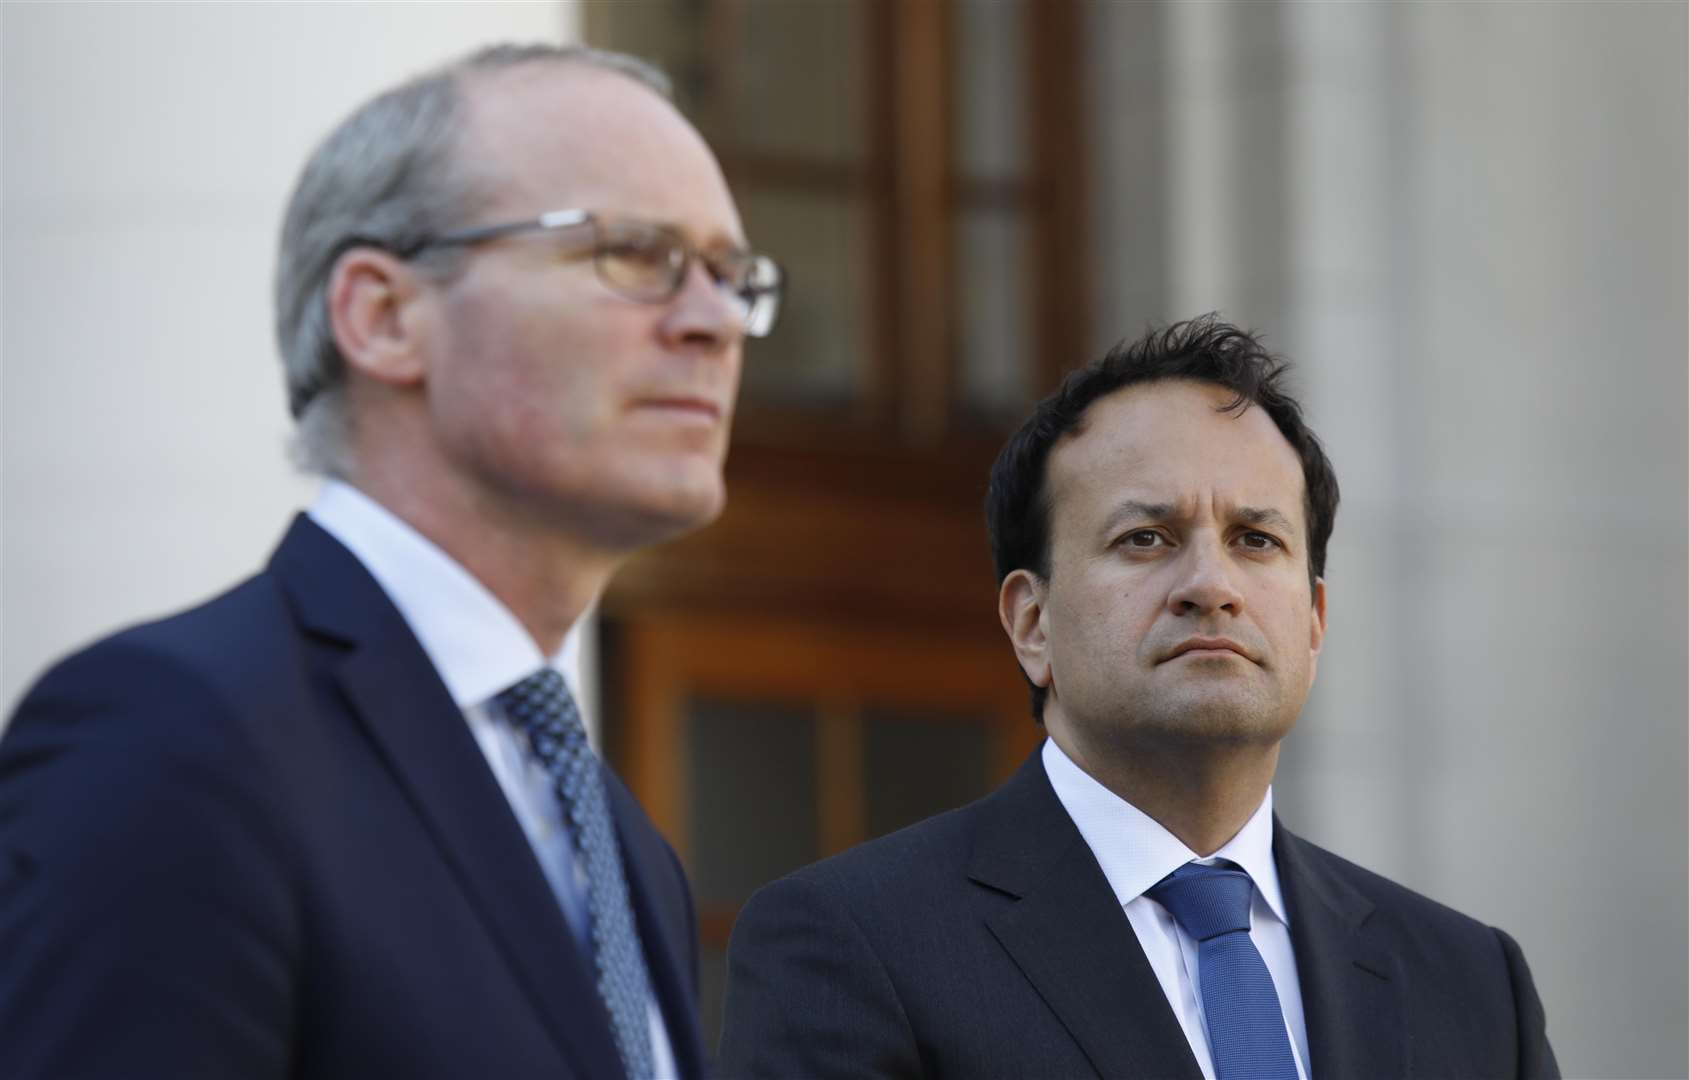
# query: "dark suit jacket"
[[259, 840], [986, 942]]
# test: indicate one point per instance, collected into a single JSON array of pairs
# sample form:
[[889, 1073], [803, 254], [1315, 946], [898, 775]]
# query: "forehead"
[[1168, 442], [551, 135]]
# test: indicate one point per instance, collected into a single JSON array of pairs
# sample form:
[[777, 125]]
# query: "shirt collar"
[[1135, 851], [474, 642]]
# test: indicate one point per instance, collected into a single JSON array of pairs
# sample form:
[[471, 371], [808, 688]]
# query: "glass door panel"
[[918, 764], [993, 260], [753, 805], [815, 356]]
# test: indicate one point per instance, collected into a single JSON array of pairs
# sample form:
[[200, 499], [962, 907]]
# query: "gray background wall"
[[1466, 221]]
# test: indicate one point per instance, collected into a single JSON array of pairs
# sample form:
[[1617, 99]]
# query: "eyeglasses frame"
[[758, 321]]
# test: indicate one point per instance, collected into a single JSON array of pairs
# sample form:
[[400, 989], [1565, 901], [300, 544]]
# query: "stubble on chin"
[[1195, 717]]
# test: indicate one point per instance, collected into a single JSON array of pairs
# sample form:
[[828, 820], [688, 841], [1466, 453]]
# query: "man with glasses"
[[343, 820]]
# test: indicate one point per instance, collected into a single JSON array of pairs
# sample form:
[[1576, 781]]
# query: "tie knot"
[[1206, 900], [541, 703]]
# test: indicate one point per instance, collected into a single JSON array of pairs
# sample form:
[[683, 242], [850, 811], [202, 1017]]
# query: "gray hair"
[[387, 176]]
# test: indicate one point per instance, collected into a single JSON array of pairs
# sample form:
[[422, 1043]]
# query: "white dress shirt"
[[480, 649], [1135, 852]]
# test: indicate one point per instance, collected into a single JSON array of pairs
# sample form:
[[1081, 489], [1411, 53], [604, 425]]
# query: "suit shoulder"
[[154, 719], [852, 916], [1483, 986], [174, 685], [918, 861], [1391, 900], [234, 631], [219, 632]]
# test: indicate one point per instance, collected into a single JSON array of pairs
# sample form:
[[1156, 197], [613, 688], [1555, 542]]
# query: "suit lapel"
[[1352, 990], [1069, 936], [398, 697]]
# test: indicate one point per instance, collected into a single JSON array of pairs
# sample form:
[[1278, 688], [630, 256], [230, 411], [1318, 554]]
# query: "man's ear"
[[372, 309], [1020, 608], [1316, 629]]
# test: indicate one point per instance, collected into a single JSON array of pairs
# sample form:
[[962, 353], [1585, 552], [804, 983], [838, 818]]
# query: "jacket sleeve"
[[807, 995], [1536, 1057], [147, 921]]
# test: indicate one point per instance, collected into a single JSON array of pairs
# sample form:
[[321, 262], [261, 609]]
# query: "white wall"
[[148, 150], [1469, 223]]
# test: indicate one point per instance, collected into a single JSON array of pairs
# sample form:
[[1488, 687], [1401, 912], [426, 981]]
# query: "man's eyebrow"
[[1265, 515], [1137, 510]]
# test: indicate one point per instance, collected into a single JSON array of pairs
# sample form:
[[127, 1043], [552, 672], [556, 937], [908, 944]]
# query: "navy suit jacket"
[[259, 840], [986, 942]]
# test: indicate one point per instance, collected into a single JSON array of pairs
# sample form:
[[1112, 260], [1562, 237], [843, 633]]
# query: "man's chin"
[[1215, 718], [660, 516]]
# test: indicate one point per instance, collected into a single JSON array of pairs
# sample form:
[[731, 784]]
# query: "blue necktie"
[[542, 707], [1246, 1031]]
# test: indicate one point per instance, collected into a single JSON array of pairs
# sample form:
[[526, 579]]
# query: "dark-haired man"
[[1127, 905], [344, 821]]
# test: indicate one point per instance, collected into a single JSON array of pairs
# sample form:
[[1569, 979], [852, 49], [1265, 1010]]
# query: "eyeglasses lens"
[[760, 287], [648, 262], [643, 262]]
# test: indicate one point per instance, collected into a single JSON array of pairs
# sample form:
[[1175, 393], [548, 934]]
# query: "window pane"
[[787, 78], [990, 92], [814, 356], [992, 264], [915, 766], [795, 77], [752, 769]]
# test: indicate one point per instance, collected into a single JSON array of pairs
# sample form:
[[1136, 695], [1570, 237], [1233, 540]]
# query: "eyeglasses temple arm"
[[555, 219]]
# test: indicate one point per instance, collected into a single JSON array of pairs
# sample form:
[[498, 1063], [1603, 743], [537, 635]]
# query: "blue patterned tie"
[[542, 707], [1246, 1030]]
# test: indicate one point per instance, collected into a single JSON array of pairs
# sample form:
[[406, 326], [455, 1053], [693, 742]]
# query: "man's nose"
[[1205, 582], [703, 315]]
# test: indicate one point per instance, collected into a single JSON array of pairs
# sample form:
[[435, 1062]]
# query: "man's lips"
[[1207, 646]]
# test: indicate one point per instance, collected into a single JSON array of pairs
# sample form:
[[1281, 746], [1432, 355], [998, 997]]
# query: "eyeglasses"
[[645, 261]]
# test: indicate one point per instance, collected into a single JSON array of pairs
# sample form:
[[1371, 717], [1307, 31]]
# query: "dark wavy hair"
[[1205, 349]]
